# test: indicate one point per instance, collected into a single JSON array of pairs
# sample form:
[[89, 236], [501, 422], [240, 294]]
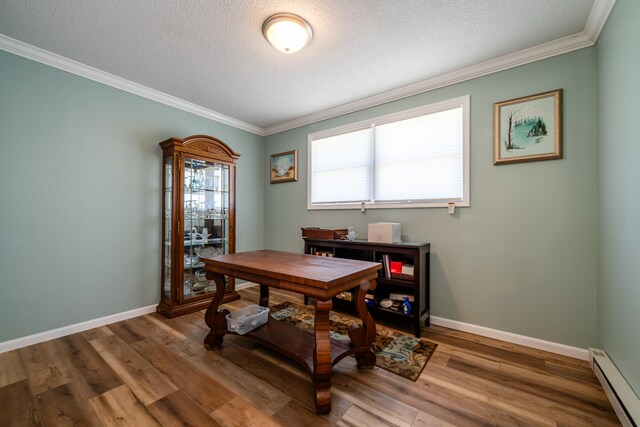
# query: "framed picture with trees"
[[528, 129]]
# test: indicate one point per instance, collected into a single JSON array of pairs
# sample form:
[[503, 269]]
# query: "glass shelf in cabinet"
[[199, 242], [198, 265], [208, 251], [192, 191], [196, 291], [214, 190], [216, 216]]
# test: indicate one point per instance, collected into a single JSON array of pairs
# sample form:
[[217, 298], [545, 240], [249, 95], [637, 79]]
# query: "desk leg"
[[363, 335], [322, 357], [264, 296], [216, 320]]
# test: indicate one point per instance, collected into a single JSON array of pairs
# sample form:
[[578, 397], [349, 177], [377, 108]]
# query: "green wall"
[[80, 211], [618, 66], [523, 257], [80, 168]]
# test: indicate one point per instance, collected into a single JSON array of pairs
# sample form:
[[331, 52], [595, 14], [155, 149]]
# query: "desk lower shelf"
[[296, 343]]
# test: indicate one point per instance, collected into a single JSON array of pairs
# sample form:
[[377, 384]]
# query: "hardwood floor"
[[155, 371]]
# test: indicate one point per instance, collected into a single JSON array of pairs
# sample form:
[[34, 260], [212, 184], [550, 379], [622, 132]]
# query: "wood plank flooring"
[[150, 371]]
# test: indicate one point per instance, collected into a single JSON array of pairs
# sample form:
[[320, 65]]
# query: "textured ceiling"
[[212, 52]]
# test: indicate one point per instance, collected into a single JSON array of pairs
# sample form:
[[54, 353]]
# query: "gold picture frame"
[[528, 129], [283, 167]]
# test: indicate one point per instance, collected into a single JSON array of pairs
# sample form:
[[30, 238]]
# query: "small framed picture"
[[284, 167], [528, 129]]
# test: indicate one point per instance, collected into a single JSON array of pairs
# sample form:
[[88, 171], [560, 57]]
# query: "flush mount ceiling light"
[[287, 32]]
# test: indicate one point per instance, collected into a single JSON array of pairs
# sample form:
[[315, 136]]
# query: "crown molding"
[[54, 60], [588, 37], [536, 53], [598, 17]]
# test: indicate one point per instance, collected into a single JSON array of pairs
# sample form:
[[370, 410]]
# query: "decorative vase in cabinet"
[[198, 220]]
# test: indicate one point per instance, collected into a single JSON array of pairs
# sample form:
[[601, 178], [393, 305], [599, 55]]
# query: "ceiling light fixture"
[[287, 32]]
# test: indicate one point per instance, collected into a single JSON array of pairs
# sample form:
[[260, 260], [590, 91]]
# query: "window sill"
[[338, 206]]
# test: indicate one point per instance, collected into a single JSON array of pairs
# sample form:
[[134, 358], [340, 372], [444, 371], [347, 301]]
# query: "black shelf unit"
[[416, 254]]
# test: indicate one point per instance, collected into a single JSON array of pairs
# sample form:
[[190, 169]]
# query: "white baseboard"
[[72, 329], [565, 350], [85, 326], [623, 399]]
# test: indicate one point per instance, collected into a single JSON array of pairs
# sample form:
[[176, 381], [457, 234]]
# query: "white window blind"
[[416, 158], [419, 159], [342, 168]]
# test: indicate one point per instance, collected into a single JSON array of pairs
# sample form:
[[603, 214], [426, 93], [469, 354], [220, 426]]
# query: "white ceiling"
[[211, 53]]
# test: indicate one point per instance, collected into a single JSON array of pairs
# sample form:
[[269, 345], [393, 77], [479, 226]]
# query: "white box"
[[247, 319], [400, 297], [384, 232]]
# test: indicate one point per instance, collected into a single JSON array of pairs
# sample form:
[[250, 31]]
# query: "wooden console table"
[[321, 278]]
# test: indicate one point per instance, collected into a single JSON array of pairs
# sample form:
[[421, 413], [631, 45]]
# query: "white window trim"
[[463, 101]]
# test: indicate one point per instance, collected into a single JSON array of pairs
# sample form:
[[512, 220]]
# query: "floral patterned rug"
[[398, 353]]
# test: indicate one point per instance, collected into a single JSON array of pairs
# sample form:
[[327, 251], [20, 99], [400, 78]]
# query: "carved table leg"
[[362, 335], [322, 357], [264, 296], [216, 320]]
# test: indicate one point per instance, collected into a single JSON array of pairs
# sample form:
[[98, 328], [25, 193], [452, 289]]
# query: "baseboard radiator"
[[622, 397]]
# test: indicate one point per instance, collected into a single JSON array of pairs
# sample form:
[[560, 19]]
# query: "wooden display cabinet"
[[198, 220], [415, 285]]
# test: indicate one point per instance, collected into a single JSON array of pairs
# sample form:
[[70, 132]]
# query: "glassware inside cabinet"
[[206, 229]]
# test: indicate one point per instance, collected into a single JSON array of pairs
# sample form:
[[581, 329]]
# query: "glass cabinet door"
[[167, 201], [206, 221]]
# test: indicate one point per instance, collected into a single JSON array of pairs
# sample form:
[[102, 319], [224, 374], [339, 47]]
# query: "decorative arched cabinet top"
[[202, 144]]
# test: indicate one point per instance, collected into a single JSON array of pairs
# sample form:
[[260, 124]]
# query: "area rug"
[[401, 354]]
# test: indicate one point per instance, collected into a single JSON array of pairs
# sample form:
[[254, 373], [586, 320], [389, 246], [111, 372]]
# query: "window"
[[415, 158]]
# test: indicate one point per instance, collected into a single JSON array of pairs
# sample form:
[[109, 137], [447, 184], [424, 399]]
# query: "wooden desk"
[[314, 276]]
